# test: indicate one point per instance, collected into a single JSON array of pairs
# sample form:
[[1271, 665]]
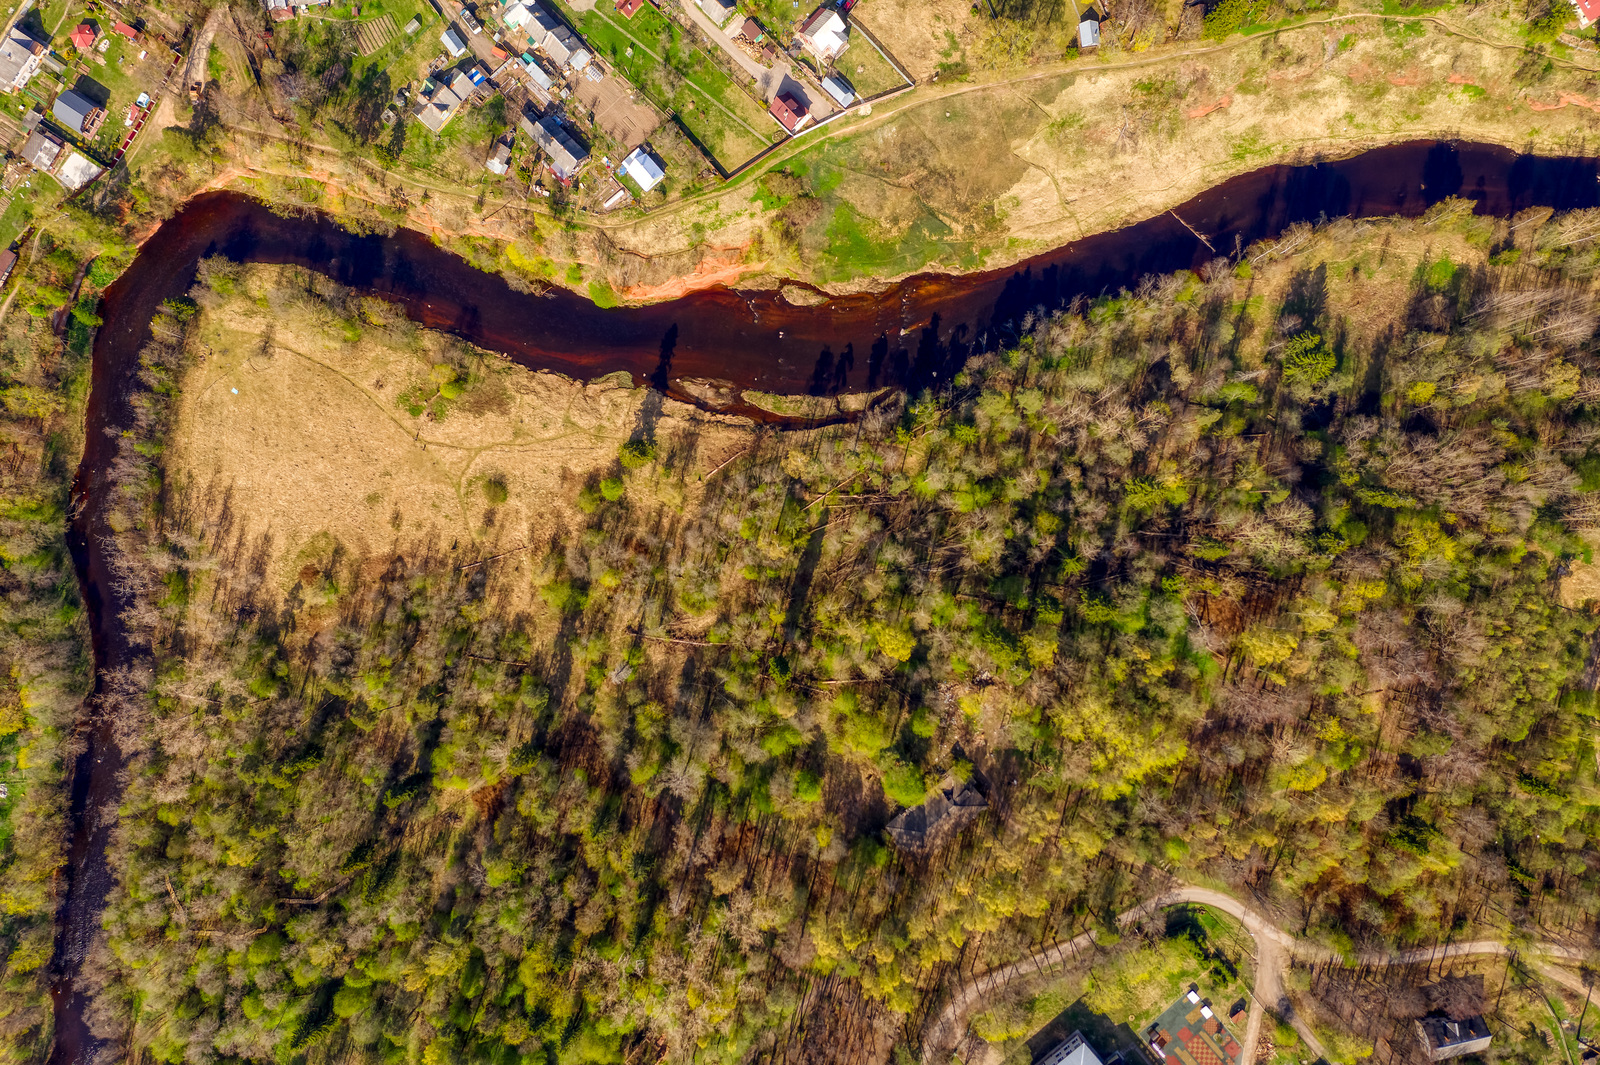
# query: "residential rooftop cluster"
[[66, 132]]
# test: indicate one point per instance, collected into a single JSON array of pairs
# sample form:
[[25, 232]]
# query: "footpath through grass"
[[680, 77]]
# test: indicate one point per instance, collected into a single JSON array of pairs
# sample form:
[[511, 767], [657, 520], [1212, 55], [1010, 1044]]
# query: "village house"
[[566, 154], [836, 87], [719, 11], [76, 112], [645, 170], [932, 822], [125, 30], [790, 112], [499, 160], [1588, 12], [20, 56], [453, 42], [629, 8], [565, 48], [42, 150], [441, 100], [1444, 1037], [824, 34], [1073, 1050], [83, 36], [1089, 29]]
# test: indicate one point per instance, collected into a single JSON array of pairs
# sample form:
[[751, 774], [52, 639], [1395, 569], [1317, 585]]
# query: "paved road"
[[1274, 949]]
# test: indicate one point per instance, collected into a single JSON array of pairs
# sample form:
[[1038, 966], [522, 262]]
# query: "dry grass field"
[[299, 412]]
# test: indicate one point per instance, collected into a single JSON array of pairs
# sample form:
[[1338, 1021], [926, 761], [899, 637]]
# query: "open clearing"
[[309, 434]]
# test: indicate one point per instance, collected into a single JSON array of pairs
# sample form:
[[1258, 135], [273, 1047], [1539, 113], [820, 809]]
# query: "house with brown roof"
[[42, 150]]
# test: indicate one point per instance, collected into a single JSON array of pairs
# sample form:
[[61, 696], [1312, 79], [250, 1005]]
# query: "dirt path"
[[194, 69], [1275, 948]]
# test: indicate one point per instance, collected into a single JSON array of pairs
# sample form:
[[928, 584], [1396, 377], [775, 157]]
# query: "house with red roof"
[[126, 30], [1588, 12], [791, 114], [83, 36], [629, 8]]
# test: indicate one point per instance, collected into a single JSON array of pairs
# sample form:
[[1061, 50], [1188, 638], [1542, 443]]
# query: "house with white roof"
[[719, 11], [20, 56], [824, 34], [645, 170], [839, 89], [1074, 1050], [453, 42]]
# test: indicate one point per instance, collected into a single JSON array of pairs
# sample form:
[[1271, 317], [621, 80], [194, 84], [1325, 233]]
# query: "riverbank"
[[980, 174], [748, 648]]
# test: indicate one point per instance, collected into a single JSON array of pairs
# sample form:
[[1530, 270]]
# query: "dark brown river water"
[[912, 335]]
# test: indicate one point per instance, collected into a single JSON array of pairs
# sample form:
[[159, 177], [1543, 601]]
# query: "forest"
[[1252, 575]]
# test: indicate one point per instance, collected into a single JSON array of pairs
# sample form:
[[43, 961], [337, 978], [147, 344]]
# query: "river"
[[912, 334]]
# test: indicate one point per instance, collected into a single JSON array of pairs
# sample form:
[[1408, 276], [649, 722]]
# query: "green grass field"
[[866, 69], [392, 56], [679, 77]]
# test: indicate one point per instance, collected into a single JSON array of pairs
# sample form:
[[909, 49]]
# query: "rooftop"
[[72, 109], [19, 57], [643, 168], [1074, 1050], [788, 110], [824, 33], [1444, 1033], [953, 803], [41, 149], [564, 152]]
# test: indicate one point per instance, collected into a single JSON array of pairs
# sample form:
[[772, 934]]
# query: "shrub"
[[1228, 16]]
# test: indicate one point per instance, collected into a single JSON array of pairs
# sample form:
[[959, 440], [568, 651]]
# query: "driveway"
[[770, 80]]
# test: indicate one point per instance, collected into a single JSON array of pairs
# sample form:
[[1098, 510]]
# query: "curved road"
[[1274, 949]]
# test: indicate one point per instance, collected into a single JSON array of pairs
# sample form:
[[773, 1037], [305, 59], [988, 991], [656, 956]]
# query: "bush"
[[1229, 16]]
